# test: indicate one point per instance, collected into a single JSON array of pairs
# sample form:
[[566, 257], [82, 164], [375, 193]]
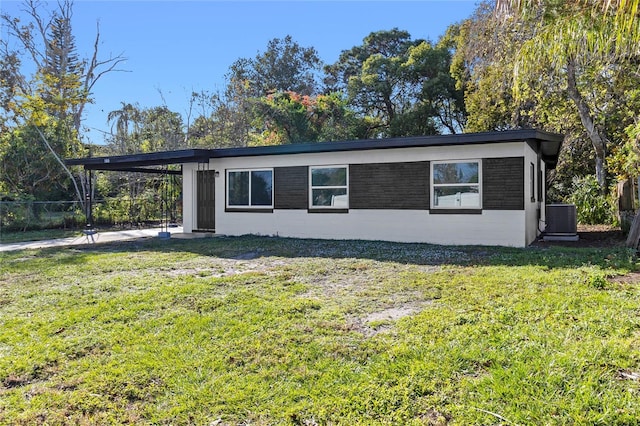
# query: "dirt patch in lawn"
[[220, 267], [383, 321], [591, 236], [630, 278], [392, 314]]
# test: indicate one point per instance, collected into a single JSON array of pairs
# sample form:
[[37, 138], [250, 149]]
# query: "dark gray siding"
[[404, 185], [291, 187], [503, 183], [389, 186]]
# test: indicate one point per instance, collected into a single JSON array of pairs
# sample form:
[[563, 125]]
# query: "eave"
[[549, 146]]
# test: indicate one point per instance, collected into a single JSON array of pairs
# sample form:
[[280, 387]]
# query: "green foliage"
[[625, 159], [402, 85], [25, 214], [317, 332], [127, 121], [553, 65], [284, 66], [27, 168], [137, 130], [582, 48], [9, 88], [145, 130], [288, 117], [576, 160], [598, 280], [270, 99], [592, 206], [121, 210], [160, 130], [46, 107], [482, 66]]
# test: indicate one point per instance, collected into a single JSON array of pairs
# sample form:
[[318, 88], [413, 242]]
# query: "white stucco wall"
[[489, 228], [492, 227], [531, 207]]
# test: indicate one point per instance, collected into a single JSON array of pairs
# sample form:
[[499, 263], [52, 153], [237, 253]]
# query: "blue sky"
[[177, 47]]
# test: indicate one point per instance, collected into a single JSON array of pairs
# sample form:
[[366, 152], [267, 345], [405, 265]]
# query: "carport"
[[150, 163]]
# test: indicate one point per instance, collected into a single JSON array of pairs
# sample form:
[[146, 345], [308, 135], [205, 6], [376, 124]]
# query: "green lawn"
[[261, 331]]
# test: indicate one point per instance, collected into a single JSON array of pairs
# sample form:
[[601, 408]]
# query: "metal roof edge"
[[390, 143], [550, 145], [150, 158]]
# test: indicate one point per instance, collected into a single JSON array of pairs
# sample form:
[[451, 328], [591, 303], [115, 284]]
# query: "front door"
[[206, 200]]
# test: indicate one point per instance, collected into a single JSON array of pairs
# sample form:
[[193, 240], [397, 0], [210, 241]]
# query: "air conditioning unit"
[[562, 222]]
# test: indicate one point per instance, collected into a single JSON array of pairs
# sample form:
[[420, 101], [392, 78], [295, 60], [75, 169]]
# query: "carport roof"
[[548, 144], [142, 162]]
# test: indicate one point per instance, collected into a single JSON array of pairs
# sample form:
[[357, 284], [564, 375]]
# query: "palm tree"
[[123, 118]]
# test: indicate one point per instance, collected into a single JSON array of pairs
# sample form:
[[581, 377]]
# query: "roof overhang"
[[143, 163], [548, 144]]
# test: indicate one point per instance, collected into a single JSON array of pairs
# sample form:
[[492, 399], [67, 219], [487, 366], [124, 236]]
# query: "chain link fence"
[[122, 212]]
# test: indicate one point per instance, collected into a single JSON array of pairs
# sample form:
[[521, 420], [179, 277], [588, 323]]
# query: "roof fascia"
[[139, 170], [140, 160], [548, 143]]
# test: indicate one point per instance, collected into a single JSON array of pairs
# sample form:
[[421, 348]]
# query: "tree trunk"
[[599, 143], [64, 167], [633, 239]]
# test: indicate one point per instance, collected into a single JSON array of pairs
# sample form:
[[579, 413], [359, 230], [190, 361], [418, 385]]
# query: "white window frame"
[[312, 187], [250, 205], [449, 185]]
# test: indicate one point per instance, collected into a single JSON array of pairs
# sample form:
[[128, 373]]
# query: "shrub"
[[592, 207]]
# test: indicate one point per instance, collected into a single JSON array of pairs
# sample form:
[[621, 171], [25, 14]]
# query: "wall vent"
[[561, 220]]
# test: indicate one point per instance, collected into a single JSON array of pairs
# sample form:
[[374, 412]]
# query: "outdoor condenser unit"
[[562, 222]]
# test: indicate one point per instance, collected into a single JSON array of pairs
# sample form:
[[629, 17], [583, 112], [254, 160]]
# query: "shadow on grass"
[[252, 247]]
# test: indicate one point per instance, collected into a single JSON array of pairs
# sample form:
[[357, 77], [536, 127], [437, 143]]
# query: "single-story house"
[[465, 189]]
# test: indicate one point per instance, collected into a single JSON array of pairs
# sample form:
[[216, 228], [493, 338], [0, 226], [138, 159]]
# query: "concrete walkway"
[[98, 237]]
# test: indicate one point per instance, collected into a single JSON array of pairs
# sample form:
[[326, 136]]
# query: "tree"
[[288, 117], [61, 86], [222, 121], [503, 90], [255, 86], [10, 83], [373, 77], [439, 100], [145, 130], [402, 86], [485, 50], [284, 66], [135, 130], [579, 41], [18, 155], [161, 130], [127, 121]]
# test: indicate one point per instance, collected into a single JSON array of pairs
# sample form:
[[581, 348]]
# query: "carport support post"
[[164, 203], [88, 199]]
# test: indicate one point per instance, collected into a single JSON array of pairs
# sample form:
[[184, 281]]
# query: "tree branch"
[[64, 166]]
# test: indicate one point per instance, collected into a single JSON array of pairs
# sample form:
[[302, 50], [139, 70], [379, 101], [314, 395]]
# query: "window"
[[329, 189], [532, 181], [541, 184], [250, 188], [456, 185]]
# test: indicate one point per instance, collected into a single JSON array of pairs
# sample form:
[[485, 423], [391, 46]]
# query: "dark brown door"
[[206, 200]]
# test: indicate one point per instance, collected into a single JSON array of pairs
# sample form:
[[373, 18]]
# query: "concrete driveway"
[[98, 237]]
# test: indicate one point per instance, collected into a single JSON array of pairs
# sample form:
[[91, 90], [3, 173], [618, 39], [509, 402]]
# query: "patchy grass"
[[261, 331]]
